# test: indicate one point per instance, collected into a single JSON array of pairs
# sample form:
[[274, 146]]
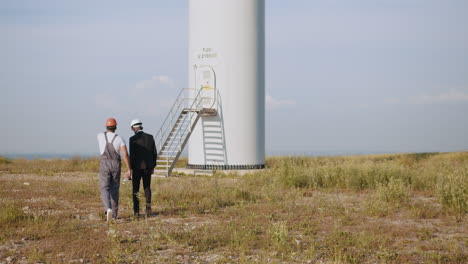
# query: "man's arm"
[[155, 151], [131, 155], [127, 161]]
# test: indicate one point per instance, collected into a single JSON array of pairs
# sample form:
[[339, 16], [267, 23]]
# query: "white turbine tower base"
[[227, 60]]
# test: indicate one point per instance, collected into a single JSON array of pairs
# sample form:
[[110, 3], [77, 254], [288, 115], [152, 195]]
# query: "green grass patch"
[[11, 213]]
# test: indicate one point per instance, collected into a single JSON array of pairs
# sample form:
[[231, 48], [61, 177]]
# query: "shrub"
[[4, 160], [295, 179], [395, 192], [453, 192], [279, 235]]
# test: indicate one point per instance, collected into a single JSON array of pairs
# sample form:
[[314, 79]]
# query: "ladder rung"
[[173, 141], [186, 110], [179, 123], [163, 166], [216, 160], [179, 136], [171, 148], [170, 143], [182, 127], [175, 132], [178, 131]]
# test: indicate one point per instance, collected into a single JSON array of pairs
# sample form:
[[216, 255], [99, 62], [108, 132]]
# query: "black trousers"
[[139, 174]]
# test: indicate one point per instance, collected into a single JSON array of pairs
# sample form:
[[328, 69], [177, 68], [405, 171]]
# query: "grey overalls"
[[109, 177]]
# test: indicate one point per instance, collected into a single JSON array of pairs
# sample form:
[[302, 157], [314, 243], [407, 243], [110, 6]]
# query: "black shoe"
[[148, 210]]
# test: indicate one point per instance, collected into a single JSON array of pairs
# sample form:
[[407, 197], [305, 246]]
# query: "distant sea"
[[31, 156]]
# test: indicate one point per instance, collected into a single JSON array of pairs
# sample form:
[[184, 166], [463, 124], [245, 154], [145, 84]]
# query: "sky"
[[362, 76]]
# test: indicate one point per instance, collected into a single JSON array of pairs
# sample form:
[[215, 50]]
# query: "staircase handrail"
[[160, 136], [194, 111], [178, 134], [176, 123]]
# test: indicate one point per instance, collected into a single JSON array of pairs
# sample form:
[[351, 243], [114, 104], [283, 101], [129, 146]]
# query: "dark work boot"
[[148, 209]]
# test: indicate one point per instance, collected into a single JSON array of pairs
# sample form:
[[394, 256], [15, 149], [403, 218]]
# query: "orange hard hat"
[[111, 122]]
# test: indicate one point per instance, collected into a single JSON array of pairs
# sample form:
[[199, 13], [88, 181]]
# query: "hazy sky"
[[362, 75]]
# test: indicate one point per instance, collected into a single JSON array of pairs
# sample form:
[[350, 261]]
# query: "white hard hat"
[[136, 122]]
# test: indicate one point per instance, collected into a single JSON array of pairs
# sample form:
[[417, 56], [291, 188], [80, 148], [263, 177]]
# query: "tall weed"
[[395, 192], [279, 235], [453, 192]]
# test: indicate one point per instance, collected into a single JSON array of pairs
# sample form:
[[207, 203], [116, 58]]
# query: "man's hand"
[[127, 161], [128, 175]]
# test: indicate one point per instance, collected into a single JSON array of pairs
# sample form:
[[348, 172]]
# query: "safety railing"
[[171, 117], [178, 125], [175, 145]]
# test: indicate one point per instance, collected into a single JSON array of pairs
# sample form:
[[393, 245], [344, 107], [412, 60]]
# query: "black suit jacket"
[[143, 152]]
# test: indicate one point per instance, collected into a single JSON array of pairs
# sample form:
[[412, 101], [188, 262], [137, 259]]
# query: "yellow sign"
[[206, 87]]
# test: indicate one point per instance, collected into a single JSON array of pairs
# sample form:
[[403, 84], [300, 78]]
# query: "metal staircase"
[[178, 125]]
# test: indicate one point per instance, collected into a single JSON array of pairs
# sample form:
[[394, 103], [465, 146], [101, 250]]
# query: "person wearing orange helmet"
[[111, 147]]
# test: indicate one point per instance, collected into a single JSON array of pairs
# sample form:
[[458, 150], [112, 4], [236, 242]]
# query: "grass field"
[[408, 208]]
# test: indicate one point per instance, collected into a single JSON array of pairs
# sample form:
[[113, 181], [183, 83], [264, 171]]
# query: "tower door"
[[205, 80]]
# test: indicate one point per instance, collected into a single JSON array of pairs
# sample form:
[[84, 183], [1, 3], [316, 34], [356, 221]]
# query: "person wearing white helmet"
[[143, 157]]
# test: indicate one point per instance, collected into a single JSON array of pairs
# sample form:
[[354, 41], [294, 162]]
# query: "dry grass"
[[49, 166], [360, 209]]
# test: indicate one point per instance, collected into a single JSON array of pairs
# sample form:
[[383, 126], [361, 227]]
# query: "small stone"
[[26, 183], [9, 259], [25, 208], [93, 217]]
